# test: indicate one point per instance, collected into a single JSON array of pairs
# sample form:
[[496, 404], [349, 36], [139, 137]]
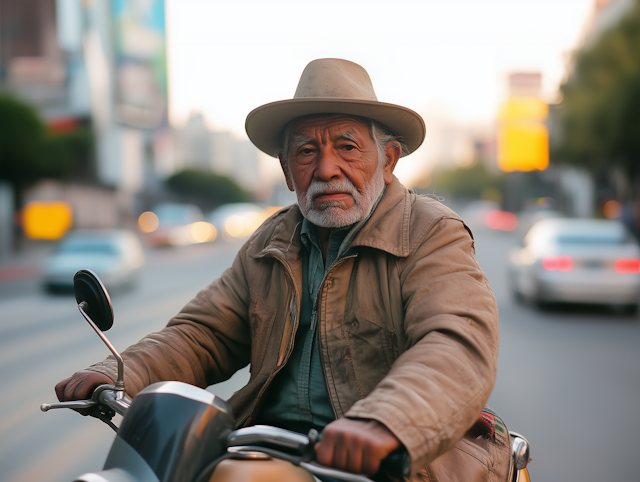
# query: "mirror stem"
[[120, 382]]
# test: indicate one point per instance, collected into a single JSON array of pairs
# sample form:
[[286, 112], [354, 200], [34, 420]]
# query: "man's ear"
[[393, 151], [285, 171]]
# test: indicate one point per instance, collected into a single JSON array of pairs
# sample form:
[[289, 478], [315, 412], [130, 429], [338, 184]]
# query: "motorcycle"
[[175, 432]]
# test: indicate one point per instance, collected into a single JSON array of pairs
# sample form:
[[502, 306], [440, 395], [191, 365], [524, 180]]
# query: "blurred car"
[[529, 217], [577, 260], [237, 220], [116, 256], [173, 224]]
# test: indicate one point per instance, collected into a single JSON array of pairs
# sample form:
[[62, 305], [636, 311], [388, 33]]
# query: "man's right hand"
[[80, 385]]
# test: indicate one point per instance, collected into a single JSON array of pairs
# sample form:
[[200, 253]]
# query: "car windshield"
[[87, 247], [177, 214], [591, 238]]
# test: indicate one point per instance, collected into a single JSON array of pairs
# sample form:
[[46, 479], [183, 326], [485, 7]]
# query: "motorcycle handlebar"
[[106, 395], [397, 463], [115, 399]]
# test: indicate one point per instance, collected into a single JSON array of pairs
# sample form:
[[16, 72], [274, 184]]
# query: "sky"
[[447, 59]]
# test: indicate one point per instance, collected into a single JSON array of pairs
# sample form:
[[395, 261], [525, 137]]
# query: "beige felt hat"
[[331, 86]]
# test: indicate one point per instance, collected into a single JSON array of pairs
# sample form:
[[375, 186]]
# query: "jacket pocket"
[[371, 349], [464, 462]]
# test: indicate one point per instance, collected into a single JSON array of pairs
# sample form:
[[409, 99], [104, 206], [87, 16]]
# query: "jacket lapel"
[[388, 226]]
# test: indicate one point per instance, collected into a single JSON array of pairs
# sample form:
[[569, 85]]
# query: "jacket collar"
[[387, 229], [388, 226]]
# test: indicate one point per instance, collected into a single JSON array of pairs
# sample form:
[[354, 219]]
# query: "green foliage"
[[69, 153], [29, 153], [600, 109], [465, 183], [206, 188], [22, 136]]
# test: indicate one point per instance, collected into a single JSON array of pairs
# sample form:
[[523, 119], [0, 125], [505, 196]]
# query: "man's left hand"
[[357, 446]]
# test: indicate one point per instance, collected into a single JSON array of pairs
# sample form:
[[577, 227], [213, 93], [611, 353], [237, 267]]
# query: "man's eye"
[[349, 147], [306, 151]]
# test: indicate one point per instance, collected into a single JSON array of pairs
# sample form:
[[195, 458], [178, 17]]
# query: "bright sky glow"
[[446, 59]]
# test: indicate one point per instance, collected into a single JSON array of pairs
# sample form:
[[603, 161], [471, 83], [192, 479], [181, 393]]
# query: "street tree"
[[599, 115], [29, 153], [206, 188]]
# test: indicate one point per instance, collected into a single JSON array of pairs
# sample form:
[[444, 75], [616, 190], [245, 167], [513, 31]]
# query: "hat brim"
[[266, 123]]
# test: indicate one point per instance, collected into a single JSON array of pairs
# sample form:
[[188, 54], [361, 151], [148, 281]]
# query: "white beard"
[[334, 214]]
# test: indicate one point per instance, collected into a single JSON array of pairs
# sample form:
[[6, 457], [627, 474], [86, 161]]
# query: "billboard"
[[523, 140], [140, 62]]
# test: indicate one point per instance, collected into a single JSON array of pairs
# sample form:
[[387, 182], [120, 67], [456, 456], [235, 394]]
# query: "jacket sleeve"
[[206, 343], [438, 386]]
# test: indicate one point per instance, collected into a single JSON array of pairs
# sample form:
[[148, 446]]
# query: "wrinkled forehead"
[[338, 123]]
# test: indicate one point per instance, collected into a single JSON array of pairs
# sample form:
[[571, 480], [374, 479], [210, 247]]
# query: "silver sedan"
[[115, 255], [577, 260]]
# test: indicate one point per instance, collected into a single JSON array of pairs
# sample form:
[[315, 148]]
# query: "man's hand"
[[80, 386], [357, 446]]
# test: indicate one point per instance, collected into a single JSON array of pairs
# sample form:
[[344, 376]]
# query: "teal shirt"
[[298, 398]]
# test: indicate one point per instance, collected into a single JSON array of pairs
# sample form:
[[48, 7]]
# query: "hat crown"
[[335, 78]]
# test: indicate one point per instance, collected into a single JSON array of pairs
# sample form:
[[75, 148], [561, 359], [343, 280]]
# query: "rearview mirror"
[[90, 290]]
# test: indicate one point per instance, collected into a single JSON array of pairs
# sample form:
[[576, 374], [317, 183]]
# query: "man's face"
[[333, 167]]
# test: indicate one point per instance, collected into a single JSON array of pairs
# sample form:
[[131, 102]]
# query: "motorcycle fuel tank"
[[176, 428]]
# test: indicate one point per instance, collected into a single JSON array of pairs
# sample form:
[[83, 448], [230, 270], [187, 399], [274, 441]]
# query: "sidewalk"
[[26, 263]]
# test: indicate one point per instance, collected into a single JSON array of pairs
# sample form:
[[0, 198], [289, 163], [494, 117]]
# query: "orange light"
[[148, 222], [501, 220], [47, 219], [627, 265], [612, 209], [557, 263], [202, 232]]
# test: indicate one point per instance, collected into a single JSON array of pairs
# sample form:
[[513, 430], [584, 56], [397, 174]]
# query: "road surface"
[[568, 376]]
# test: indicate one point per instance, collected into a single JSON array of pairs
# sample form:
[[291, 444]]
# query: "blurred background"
[[122, 149]]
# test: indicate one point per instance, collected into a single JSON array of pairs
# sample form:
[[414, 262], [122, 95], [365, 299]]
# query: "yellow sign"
[[524, 109], [523, 140], [48, 220]]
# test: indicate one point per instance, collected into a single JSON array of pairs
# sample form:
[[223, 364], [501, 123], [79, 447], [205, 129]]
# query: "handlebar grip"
[[397, 463], [114, 399]]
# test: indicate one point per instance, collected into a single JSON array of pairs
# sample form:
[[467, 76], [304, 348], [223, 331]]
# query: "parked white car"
[[238, 220], [577, 260], [115, 255], [173, 224]]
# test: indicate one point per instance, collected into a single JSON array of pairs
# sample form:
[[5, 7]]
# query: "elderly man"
[[362, 309]]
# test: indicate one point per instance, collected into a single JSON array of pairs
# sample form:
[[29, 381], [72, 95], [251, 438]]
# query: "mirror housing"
[[90, 290], [95, 306]]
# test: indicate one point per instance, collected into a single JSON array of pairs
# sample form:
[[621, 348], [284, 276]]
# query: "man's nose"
[[327, 165]]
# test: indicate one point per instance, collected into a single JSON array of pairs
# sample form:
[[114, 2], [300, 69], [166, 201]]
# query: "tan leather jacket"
[[408, 327]]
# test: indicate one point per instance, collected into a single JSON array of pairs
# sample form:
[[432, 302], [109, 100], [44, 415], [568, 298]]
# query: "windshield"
[[177, 214], [592, 238], [87, 247]]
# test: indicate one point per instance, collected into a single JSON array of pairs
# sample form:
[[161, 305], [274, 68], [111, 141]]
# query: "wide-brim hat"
[[332, 86]]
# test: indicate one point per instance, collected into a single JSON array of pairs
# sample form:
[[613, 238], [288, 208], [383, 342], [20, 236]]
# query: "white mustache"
[[317, 188]]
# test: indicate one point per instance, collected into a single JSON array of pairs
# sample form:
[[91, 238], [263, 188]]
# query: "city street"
[[568, 376]]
